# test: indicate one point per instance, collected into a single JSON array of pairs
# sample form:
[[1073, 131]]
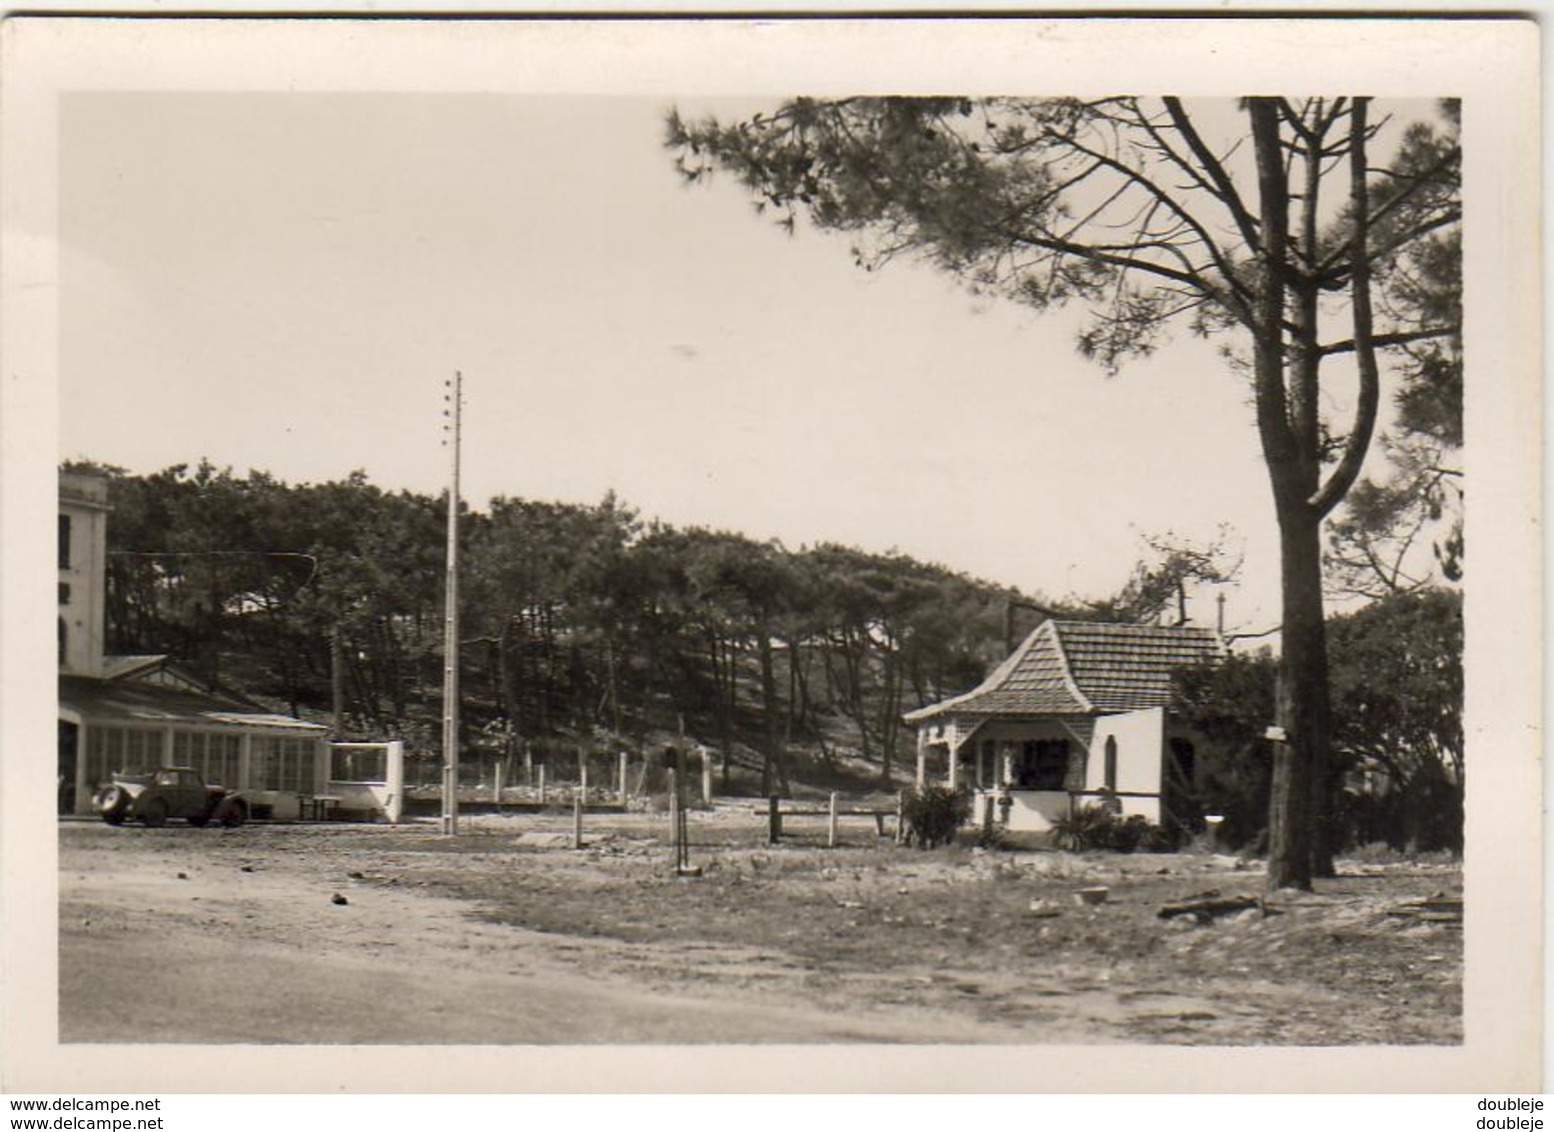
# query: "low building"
[[124, 725], [1080, 711], [132, 714]]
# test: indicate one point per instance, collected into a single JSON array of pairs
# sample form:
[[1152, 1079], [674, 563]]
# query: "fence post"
[[623, 777], [528, 765], [496, 784], [682, 822], [674, 814], [582, 772], [577, 820], [900, 817], [831, 823], [706, 776], [774, 819], [542, 782]]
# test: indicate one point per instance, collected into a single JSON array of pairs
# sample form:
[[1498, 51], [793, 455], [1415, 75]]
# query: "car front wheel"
[[232, 814], [110, 804]]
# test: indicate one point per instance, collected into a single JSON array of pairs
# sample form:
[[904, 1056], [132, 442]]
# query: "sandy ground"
[[185, 935]]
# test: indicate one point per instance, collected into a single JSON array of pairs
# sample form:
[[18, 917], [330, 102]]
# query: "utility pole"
[[450, 643]]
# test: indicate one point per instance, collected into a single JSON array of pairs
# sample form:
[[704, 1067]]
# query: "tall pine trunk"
[[774, 771], [1300, 831], [1301, 705], [1289, 473]]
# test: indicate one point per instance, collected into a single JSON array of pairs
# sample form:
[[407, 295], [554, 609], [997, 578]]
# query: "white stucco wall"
[[85, 575], [1140, 737], [1030, 811]]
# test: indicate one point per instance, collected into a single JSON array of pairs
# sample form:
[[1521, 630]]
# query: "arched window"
[[1111, 762], [63, 637], [64, 542]]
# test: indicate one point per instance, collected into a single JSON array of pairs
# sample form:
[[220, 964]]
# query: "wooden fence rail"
[[833, 813]]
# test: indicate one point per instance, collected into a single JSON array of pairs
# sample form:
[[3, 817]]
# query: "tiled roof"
[[1127, 667], [1084, 668]]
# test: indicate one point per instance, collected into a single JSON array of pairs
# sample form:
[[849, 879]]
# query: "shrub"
[[1088, 827], [932, 815], [1163, 838], [1093, 826], [1126, 834]]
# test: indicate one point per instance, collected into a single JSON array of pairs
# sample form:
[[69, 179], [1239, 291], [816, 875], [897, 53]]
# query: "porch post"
[[83, 801], [395, 774], [952, 776], [245, 761], [922, 758], [323, 771]]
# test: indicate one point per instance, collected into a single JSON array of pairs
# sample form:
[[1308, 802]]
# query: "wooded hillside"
[[579, 623]]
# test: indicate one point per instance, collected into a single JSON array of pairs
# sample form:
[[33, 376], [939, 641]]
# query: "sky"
[[285, 282]]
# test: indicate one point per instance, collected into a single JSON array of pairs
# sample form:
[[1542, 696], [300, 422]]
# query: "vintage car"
[[171, 792]]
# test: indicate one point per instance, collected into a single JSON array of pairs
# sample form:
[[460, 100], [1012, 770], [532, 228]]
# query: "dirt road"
[[373, 934]]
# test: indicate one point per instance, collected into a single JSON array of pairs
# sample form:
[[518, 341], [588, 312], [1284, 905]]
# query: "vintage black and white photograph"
[[910, 556]]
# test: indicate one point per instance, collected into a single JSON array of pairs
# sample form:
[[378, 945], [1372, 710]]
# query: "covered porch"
[[1026, 773]]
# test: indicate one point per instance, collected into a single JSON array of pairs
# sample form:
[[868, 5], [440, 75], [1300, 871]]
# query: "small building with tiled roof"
[[1080, 711]]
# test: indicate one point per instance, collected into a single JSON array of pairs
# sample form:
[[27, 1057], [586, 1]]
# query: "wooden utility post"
[[676, 763], [450, 641]]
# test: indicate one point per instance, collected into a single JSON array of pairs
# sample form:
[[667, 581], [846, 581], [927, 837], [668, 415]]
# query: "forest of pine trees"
[[578, 622]]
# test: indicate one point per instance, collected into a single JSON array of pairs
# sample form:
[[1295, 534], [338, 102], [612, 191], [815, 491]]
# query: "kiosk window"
[[1043, 765]]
